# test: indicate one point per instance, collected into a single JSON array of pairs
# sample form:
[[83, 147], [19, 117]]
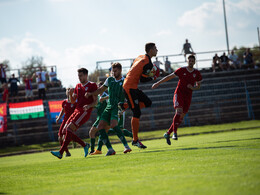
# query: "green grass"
[[218, 163], [143, 135]]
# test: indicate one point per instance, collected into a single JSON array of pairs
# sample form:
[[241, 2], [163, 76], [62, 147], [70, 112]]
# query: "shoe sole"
[[128, 150], [111, 154], [95, 153]]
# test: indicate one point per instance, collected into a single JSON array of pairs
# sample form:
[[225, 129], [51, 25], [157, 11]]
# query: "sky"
[[77, 33]]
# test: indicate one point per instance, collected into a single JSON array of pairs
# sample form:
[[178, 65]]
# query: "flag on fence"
[[55, 108], [26, 110], [3, 119]]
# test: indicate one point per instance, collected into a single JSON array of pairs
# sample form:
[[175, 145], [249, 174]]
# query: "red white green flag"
[[26, 110]]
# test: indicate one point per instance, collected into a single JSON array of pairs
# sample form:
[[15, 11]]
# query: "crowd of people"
[[232, 61], [40, 76], [87, 95]]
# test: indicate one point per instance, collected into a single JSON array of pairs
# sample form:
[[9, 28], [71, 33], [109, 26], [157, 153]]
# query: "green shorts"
[[109, 114]]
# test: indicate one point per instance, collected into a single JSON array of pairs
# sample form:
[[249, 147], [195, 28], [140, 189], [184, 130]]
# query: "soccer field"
[[226, 162]]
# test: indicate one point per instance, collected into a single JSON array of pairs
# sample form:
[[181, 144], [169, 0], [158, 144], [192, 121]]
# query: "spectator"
[[41, 81], [14, 88], [248, 59], [167, 64], [224, 62], [234, 62], [215, 63], [187, 49], [53, 77], [157, 63], [5, 93], [28, 87], [3, 73]]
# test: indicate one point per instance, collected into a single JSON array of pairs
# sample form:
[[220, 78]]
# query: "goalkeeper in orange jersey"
[[139, 71]]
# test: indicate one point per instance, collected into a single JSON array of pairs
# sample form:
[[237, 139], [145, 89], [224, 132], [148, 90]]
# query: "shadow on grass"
[[203, 148], [237, 140]]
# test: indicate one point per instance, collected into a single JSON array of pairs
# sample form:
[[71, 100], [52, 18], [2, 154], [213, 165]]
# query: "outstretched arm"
[[164, 79]]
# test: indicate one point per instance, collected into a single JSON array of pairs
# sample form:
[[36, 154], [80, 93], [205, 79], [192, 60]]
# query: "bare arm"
[[103, 98], [100, 90], [94, 103], [164, 79], [60, 115], [72, 96]]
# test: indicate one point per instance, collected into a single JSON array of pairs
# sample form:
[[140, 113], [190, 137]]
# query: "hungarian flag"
[[55, 108], [26, 110], [3, 119]]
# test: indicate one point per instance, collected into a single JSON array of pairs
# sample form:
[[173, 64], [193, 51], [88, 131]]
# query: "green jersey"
[[115, 91], [101, 105]]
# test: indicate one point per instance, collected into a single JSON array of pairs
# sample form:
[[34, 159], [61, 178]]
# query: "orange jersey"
[[140, 66]]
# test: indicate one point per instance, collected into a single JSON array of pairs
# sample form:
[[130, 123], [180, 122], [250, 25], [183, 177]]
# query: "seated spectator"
[[5, 93], [168, 68], [28, 87], [215, 63], [41, 81], [157, 63], [14, 88], [248, 59], [53, 77], [187, 49], [224, 62], [234, 62], [3, 73]]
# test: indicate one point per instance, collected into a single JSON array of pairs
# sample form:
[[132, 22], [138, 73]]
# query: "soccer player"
[[67, 109], [81, 113], [102, 103], [110, 114], [189, 80], [136, 99]]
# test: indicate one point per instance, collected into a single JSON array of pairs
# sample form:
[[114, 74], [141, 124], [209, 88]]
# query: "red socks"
[[135, 127], [175, 124]]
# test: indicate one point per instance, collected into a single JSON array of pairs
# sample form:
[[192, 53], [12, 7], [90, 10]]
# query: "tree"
[[255, 51], [31, 65]]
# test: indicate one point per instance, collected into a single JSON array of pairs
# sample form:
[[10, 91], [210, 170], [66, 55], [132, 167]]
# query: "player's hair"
[[149, 46], [192, 56], [83, 70], [117, 65], [67, 92]]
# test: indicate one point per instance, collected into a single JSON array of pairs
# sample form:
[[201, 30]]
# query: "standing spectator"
[[215, 63], [157, 63], [248, 59], [167, 64], [234, 62], [5, 93], [41, 81], [224, 62], [2, 73], [187, 49], [53, 77], [14, 88], [28, 87]]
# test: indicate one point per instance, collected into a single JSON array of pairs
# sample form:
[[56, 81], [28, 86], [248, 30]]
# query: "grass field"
[[227, 162]]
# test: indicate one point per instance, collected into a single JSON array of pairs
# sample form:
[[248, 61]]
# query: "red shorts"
[[79, 117], [182, 101]]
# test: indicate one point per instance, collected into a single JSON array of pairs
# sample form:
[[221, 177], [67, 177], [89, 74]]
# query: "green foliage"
[[221, 163], [255, 51], [31, 65]]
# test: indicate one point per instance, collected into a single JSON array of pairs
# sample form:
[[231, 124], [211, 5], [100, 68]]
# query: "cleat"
[[86, 149], [68, 154], [92, 151], [174, 136], [57, 154], [96, 152], [127, 149], [167, 137], [138, 144], [110, 152]]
